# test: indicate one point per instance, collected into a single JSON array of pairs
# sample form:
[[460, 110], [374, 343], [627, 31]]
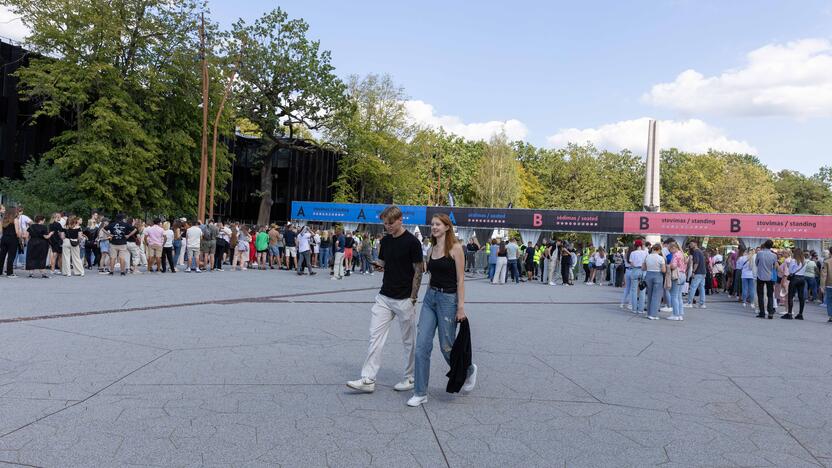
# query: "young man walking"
[[766, 262], [400, 255]]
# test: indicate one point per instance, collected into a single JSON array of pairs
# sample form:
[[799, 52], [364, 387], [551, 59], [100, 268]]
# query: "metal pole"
[[203, 166]]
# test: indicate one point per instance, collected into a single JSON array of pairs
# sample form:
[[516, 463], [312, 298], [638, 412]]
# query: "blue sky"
[[552, 72]]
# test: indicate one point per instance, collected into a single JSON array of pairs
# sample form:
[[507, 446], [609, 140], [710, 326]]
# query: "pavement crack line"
[[96, 393], [5, 462], [645, 349], [815, 458], [59, 330], [436, 437], [569, 379]]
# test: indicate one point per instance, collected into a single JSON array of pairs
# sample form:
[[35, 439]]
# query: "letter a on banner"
[[361, 215], [300, 212]]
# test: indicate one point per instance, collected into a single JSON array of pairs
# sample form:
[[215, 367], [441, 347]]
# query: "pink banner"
[[729, 225]]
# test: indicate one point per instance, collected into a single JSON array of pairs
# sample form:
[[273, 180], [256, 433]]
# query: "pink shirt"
[[155, 235], [679, 260]]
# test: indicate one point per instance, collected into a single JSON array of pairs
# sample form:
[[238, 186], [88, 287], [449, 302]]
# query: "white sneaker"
[[674, 317], [471, 381], [404, 385], [629, 306], [666, 309], [687, 305], [417, 401], [652, 318], [551, 283], [363, 385], [622, 306], [703, 306], [188, 270]]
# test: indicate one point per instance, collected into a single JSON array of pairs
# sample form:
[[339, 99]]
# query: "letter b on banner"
[[644, 223], [735, 225], [537, 220]]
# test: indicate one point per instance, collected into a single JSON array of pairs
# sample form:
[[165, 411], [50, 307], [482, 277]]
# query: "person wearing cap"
[[291, 249]]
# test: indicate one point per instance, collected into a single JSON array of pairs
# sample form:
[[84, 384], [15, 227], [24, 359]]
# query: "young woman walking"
[[797, 284], [443, 306]]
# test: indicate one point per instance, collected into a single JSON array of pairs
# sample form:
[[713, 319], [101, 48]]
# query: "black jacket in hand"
[[460, 359]]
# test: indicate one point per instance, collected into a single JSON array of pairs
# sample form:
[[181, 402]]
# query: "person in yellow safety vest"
[[538, 258], [587, 253]]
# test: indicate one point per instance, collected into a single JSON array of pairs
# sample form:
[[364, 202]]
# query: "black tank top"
[[442, 273], [9, 232]]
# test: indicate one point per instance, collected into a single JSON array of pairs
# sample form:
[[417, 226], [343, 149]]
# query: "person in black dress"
[[56, 243], [38, 249]]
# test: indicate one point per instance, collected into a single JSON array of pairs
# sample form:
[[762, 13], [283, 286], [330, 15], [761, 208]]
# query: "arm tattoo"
[[419, 270]]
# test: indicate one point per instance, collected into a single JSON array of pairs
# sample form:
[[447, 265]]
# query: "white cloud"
[[422, 113], [691, 135], [792, 79], [11, 26]]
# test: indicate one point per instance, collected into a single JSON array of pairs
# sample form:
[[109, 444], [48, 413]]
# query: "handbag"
[[642, 285], [73, 242]]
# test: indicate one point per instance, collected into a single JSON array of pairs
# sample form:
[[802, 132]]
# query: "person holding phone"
[[400, 256]]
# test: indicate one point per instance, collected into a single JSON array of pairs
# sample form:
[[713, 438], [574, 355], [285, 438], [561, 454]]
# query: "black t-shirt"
[[72, 233], [472, 247], [350, 242], [399, 254], [289, 237], [56, 229], [119, 231], [699, 258]]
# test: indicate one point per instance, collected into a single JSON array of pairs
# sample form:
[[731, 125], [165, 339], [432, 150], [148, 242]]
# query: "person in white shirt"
[[632, 293], [193, 237], [654, 266], [167, 249], [304, 251], [24, 222], [316, 247]]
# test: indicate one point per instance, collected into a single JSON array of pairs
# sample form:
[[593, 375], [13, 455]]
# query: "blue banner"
[[352, 212]]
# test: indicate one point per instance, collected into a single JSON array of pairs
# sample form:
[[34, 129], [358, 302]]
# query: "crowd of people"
[[664, 277], [67, 245]]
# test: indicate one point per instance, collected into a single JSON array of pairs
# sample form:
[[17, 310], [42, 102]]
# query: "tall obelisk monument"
[[652, 173]]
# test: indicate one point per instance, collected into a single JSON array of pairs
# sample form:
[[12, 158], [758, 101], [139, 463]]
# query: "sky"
[[749, 76]]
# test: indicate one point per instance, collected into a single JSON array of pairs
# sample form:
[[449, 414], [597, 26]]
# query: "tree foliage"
[[286, 82], [123, 76]]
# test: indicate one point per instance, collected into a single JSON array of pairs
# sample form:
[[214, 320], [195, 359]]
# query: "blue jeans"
[[625, 297], [829, 301], [748, 290], [655, 290], [636, 295], [323, 260], [811, 287], [515, 272], [177, 249], [438, 312], [492, 268], [698, 281], [676, 296]]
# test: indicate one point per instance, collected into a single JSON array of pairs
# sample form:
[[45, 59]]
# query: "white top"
[[225, 234], [599, 260], [193, 235], [168, 238], [717, 258], [655, 262], [637, 258], [303, 241]]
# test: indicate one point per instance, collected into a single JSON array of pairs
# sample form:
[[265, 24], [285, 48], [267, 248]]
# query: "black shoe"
[[770, 316], [122, 273], [798, 317], [111, 273], [786, 316], [312, 273], [761, 315], [830, 319], [300, 273]]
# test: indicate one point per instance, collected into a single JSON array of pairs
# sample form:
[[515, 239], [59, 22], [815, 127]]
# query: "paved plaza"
[[248, 369]]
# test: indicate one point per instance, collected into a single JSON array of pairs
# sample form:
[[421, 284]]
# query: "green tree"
[[286, 83], [44, 190], [800, 194], [123, 78], [372, 131], [497, 183]]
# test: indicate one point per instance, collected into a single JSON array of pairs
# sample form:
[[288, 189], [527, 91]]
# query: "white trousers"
[[339, 265], [71, 256], [383, 312], [501, 270]]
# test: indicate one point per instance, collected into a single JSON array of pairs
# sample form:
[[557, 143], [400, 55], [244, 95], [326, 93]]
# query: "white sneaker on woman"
[[416, 401]]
